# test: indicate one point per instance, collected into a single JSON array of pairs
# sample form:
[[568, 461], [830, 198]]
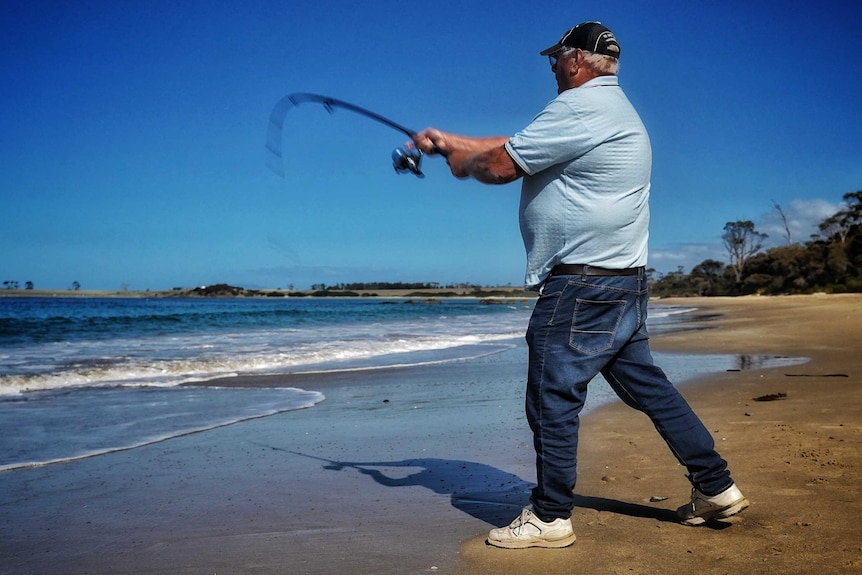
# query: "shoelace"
[[523, 520]]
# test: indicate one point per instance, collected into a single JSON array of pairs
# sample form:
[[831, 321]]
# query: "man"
[[585, 161]]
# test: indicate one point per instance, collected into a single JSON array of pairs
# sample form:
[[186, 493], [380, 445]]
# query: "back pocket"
[[594, 324]]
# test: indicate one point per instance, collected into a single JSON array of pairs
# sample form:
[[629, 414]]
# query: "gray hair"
[[601, 64], [598, 63]]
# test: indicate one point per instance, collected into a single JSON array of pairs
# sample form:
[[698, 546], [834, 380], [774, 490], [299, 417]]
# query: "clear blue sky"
[[132, 134]]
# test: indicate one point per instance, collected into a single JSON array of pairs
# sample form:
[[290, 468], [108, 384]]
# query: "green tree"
[[785, 269], [741, 241], [843, 222], [708, 276], [676, 283]]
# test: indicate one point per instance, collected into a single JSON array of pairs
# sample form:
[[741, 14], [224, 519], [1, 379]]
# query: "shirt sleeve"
[[556, 135]]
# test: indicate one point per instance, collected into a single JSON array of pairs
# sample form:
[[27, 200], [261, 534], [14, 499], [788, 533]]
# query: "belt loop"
[[585, 271], [543, 283]]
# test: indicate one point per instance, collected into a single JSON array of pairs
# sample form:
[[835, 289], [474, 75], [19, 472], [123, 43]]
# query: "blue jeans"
[[582, 326]]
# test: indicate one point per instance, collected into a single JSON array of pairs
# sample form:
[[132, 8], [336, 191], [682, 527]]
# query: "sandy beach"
[[404, 471], [797, 459]]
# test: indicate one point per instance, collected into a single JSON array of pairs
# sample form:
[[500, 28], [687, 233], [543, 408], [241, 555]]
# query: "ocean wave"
[[166, 343], [159, 415], [258, 357]]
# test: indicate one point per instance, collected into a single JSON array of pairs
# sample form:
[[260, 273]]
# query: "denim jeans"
[[585, 325]]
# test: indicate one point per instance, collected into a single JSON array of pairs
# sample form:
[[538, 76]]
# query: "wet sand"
[[406, 470]]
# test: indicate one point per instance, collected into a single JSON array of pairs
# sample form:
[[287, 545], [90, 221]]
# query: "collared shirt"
[[585, 198]]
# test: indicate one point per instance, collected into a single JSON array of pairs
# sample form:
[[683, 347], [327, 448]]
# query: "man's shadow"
[[482, 491]]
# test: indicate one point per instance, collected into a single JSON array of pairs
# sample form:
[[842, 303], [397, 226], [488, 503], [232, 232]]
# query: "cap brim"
[[555, 48]]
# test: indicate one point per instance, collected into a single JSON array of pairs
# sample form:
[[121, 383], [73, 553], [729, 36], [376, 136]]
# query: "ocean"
[[86, 376]]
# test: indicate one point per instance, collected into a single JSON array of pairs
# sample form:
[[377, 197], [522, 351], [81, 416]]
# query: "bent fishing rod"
[[403, 159]]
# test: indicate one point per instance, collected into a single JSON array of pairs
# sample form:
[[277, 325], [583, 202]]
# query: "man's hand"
[[432, 142]]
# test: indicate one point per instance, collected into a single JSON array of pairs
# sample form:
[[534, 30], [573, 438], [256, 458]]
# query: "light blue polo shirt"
[[585, 198]]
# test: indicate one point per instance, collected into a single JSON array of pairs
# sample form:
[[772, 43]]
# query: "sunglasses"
[[554, 58]]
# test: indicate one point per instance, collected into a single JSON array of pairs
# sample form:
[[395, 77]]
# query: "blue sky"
[[132, 134]]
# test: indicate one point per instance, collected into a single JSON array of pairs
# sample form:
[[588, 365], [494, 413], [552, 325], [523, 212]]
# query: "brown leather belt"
[[579, 270]]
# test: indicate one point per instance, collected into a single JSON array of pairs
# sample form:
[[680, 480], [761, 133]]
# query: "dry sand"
[[797, 458]]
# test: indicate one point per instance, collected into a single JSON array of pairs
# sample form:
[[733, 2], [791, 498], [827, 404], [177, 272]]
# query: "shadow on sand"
[[482, 491]]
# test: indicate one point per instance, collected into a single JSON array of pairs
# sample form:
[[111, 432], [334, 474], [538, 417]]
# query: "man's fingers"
[[431, 141]]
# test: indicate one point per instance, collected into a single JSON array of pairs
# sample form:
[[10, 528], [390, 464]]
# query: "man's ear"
[[573, 63]]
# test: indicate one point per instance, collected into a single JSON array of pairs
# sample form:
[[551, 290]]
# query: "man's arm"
[[484, 159], [493, 166]]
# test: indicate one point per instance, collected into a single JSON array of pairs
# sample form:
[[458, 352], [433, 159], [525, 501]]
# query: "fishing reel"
[[407, 160]]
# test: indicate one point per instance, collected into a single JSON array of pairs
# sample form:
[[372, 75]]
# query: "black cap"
[[589, 36]]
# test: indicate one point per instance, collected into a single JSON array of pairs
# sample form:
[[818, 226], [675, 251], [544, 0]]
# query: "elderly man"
[[585, 162]]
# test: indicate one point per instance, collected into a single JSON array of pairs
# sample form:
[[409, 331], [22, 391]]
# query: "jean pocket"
[[594, 324]]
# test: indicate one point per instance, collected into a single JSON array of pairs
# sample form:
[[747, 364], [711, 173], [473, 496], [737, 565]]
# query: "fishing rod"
[[403, 159], [333, 465]]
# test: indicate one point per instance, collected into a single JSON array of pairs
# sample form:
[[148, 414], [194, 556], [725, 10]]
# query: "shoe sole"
[[723, 513], [543, 543]]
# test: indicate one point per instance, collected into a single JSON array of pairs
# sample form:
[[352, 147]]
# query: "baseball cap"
[[589, 36]]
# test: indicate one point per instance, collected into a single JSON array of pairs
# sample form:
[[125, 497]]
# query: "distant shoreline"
[[242, 293]]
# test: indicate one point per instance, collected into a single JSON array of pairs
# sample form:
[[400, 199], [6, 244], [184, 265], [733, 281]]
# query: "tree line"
[[14, 285], [830, 261], [365, 286], [28, 285]]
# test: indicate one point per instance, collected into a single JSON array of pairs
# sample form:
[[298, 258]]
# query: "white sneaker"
[[702, 508], [527, 530]]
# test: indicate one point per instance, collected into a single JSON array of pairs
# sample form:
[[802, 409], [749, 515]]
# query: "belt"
[[580, 269]]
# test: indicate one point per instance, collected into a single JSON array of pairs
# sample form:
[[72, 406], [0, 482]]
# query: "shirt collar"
[[601, 81]]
